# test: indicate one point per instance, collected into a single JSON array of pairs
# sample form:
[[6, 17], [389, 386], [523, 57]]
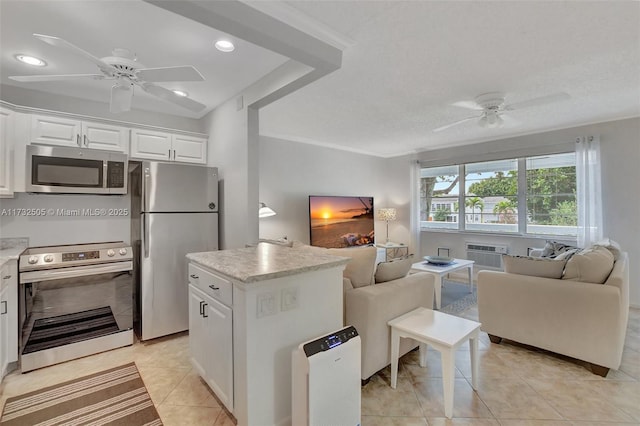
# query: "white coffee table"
[[445, 333], [441, 271]]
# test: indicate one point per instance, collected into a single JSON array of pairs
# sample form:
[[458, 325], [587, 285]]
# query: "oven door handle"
[[74, 272]]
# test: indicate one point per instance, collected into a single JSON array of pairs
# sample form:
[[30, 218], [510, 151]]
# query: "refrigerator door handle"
[[145, 234], [145, 189]]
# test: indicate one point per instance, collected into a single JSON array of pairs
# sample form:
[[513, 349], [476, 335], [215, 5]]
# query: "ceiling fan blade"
[[121, 94], [169, 96], [468, 105], [58, 42], [181, 73], [34, 78], [455, 123], [543, 100]]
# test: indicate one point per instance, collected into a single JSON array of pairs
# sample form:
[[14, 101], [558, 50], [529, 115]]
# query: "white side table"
[[393, 250], [445, 333], [441, 271]]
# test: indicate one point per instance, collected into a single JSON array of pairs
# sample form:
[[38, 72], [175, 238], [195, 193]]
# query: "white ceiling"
[[412, 60], [404, 65], [159, 38]]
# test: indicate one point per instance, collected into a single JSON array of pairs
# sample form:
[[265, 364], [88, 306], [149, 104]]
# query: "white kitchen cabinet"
[[8, 315], [211, 332], [154, 145], [51, 130], [6, 152]]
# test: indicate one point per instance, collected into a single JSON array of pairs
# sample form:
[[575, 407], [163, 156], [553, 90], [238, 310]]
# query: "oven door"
[[70, 305]]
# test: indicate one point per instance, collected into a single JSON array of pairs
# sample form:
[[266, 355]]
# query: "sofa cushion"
[[361, 266], [591, 265], [394, 269], [534, 266]]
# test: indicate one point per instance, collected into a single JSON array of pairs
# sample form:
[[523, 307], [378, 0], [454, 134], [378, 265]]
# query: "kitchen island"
[[248, 309]]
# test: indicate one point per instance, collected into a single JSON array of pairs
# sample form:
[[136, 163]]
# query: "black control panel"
[[81, 255], [115, 174], [330, 341]]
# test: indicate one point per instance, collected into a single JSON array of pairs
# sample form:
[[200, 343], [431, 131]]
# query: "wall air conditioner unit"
[[486, 255]]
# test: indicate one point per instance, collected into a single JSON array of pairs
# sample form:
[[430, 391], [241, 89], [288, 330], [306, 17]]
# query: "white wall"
[[55, 228], [290, 172], [620, 149]]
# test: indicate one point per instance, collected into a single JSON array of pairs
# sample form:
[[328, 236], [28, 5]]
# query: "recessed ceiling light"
[[180, 93], [224, 46], [31, 60]]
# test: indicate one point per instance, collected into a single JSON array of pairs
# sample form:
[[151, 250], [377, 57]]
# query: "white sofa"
[[369, 305], [577, 319]]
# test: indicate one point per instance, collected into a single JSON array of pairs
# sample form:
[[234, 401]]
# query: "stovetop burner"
[[64, 256]]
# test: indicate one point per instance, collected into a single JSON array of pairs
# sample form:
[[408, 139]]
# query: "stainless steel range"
[[74, 301]]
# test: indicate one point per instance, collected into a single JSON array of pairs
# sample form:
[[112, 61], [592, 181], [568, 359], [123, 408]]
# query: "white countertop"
[[266, 261], [11, 248]]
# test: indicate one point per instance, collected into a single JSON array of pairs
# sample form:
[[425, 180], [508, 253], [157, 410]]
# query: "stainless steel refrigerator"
[[174, 211]]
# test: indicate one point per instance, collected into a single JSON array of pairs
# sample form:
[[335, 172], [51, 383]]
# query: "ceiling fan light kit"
[[492, 107], [124, 68]]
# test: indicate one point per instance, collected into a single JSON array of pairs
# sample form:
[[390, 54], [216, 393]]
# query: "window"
[[439, 197], [491, 196], [493, 193], [551, 195]]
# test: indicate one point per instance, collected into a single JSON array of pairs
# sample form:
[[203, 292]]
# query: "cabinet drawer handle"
[[213, 287], [6, 277], [204, 312], [4, 307], [201, 307], [194, 276]]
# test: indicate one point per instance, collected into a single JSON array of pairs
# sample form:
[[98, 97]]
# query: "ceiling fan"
[[492, 108], [126, 72]]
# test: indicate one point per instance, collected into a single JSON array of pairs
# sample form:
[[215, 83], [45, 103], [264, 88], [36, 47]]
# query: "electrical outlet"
[[266, 305], [289, 298]]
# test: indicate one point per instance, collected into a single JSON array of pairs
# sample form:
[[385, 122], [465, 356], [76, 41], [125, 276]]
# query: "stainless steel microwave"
[[57, 169]]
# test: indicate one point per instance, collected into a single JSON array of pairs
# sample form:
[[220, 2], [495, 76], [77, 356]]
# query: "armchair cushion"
[[533, 266], [361, 266]]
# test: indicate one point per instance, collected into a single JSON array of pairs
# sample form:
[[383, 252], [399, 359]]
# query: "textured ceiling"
[[158, 37], [412, 60]]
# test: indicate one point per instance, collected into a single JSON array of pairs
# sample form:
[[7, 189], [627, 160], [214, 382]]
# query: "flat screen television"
[[339, 221]]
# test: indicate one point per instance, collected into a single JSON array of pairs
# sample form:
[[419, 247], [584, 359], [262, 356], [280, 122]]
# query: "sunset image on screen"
[[341, 221]]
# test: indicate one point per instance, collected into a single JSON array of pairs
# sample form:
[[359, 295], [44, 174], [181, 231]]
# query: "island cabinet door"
[[219, 330], [197, 337]]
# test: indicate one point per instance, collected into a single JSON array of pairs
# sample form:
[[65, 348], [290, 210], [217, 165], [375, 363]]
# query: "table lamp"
[[387, 215]]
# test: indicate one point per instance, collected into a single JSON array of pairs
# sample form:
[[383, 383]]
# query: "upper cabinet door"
[[188, 149], [150, 145], [105, 136], [6, 152], [55, 131]]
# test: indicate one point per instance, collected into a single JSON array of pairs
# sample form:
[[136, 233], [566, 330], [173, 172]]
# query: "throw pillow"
[[534, 266], [553, 249], [591, 265], [361, 266], [397, 268], [610, 245]]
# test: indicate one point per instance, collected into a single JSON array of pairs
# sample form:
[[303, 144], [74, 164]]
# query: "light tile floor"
[[518, 386]]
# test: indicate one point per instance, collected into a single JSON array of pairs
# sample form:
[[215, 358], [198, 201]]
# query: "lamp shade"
[[387, 214], [265, 211]]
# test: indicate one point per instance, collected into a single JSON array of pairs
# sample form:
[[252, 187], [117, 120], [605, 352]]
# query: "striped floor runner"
[[115, 397]]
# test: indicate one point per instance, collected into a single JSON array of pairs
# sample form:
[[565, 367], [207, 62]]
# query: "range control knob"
[[48, 258], [122, 251], [111, 253], [33, 259]]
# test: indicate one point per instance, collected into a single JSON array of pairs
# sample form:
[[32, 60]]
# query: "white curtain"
[[589, 190], [414, 206]]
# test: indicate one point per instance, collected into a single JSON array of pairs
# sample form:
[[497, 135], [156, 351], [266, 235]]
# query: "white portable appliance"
[[326, 380]]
